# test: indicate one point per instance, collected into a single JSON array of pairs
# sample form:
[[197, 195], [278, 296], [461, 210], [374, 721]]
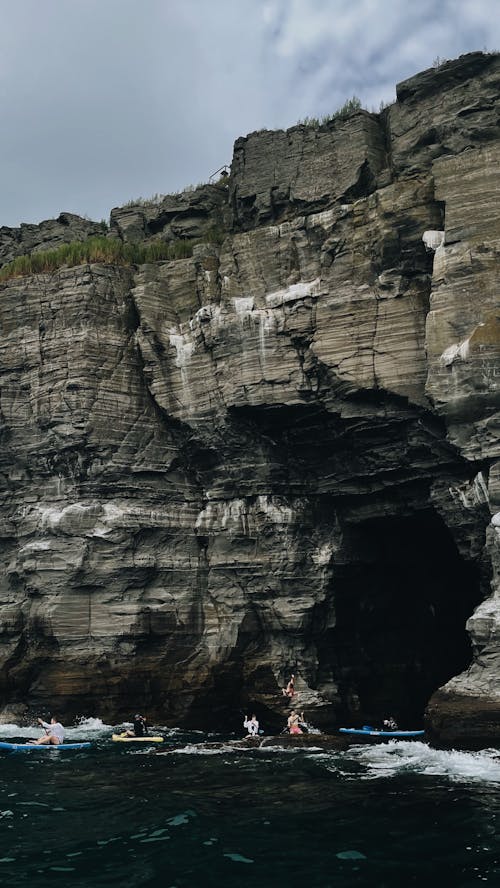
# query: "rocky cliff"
[[281, 454]]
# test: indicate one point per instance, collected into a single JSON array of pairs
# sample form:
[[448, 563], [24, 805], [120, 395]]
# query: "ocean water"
[[385, 815]]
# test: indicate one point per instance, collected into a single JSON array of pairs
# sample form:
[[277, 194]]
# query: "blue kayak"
[[33, 747], [372, 732]]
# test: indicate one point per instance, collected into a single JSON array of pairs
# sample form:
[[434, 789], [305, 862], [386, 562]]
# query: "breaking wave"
[[397, 758]]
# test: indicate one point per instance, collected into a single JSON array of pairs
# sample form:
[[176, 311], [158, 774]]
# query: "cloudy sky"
[[107, 100]]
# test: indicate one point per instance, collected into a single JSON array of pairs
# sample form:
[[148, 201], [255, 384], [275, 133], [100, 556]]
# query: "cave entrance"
[[401, 606]]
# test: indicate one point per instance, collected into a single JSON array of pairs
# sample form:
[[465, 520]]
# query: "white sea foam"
[[199, 749], [85, 729], [10, 730], [89, 729], [396, 758], [232, 748]]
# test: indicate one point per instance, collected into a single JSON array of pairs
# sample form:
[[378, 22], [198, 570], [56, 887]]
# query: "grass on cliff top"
[[353, 104], [156, 199], [103, 249]]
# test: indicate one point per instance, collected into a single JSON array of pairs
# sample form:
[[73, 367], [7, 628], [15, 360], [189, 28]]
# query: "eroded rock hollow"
[[280, 454]]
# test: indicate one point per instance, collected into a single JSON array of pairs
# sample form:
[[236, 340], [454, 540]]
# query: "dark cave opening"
[[401, 603]]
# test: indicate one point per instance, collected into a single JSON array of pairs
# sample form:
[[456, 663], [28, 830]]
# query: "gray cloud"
[[105, 100]]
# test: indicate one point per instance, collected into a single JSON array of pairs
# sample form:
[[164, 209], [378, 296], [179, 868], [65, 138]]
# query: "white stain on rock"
[[240, 516], [433, 239], [293, 292], [323, 554], [457, 351]]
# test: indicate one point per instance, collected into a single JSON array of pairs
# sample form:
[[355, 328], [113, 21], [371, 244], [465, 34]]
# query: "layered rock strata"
[[279, 455]]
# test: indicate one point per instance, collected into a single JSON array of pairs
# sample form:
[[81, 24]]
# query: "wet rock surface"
[[279, 455]]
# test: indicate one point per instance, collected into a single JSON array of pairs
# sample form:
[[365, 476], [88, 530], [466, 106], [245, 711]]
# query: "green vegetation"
[[353, 104], [97, 249]]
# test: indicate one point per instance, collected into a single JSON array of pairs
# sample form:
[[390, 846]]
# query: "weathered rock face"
[[280, 454], [191, 214], [47, 236]]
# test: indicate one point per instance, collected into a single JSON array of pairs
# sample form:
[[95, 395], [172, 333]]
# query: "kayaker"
[[54, 732], [140, 728], [293, 723], [252, 726], [390, 724]]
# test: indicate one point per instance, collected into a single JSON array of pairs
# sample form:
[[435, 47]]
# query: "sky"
[[104, 101]]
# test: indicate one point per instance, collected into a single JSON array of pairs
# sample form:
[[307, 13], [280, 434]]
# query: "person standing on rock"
[[289, 691], [252, 726], [54, 732]]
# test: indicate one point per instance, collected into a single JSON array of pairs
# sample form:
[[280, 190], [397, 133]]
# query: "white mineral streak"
[[184, 348], [292, 293], [206, 314], [275, 509], [481, 488], [239, 516], [100, 519], [243, 306], [456, 351], [471, 494], [50, 518], [324, 219], [433, 239], [323, 554], [35, 546]]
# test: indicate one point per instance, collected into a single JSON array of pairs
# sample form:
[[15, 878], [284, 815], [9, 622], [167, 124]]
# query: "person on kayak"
[[390, 724], [293, 723], [54, 732], [140, 728], [252, 726]]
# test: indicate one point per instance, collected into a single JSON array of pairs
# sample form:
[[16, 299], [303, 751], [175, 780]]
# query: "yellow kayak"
[[122, 738]]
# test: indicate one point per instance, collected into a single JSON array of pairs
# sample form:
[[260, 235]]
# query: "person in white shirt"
[[54, 732], [252, 726]]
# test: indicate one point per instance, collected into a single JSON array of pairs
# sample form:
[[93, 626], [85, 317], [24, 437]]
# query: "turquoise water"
[[386, 815]]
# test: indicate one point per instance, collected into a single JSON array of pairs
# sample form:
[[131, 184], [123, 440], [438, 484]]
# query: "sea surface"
[[117, 814]]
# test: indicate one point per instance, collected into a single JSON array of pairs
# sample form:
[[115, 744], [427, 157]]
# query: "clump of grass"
[[353, 104], [156, 199], [95, 249], [152, 201]]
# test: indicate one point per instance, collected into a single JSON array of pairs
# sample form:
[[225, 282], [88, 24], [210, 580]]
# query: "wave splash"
[[397, 758]]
